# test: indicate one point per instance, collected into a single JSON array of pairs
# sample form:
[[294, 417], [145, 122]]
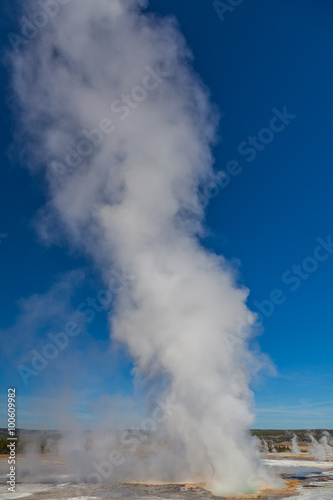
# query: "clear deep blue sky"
[[262, 56]]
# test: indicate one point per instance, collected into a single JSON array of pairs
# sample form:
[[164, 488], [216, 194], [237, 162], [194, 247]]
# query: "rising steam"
[[321, 449], [295, 448], [122, 127]]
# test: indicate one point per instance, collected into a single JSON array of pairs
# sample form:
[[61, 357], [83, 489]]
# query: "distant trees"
[[3, 447], [281, 448]]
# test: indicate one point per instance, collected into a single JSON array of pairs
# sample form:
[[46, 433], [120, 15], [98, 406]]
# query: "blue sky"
[[262, 60]]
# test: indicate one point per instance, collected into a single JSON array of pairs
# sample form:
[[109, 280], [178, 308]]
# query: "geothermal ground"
[[304, 478]]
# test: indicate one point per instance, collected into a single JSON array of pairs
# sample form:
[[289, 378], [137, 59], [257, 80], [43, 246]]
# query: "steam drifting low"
[[122, 127]]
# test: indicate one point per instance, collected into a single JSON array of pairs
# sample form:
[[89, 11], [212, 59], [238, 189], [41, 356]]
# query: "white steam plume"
[[321, 449], [295, 447], [325, 441], [117, 191], [264, 446]]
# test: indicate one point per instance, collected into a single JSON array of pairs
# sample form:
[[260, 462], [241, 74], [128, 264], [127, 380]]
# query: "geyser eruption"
[[325, 441], [263, 446], [295, 447], [321, 449], [122, 127]]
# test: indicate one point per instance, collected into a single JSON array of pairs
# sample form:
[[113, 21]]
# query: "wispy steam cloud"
[[121, 201]]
